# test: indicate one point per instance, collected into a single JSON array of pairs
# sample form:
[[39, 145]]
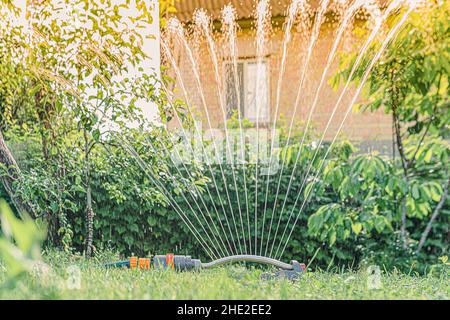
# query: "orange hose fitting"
[[144, 263], [133, 262], [169, 260]]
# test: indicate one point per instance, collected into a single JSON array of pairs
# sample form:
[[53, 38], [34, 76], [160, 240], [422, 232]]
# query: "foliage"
[[412, 75], [20, 242], [132, 209], [166, 8], [77, 90], [70, 87], [352, 215], [233, 121], [410, 83], [367, 189], [127, 202], [367, 210]]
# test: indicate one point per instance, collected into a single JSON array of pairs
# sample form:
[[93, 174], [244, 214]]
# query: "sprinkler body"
[[177, 262], [185, 263]]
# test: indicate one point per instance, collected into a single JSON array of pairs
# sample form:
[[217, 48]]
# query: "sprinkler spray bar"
[[186, 263]]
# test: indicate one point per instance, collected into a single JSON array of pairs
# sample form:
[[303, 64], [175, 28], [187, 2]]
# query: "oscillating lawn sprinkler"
[[290, 271]]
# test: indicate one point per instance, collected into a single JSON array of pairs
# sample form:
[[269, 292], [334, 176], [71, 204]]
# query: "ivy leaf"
[[356, 227], [428, 155], [415, 192], [96, 135], [332, 237], [151, 220]]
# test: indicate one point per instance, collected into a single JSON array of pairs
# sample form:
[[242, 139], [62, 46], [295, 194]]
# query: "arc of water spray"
[[203, 21], [229, 22], [191, 177], [388, 39], [175, 205], [343, 26], [314, 35], [188, 203], [195, 70], [220, 244], [127, 146], [206, 186], [178, 75], [294, 8], [262, 14]]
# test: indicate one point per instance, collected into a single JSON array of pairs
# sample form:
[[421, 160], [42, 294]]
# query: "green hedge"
[[135, 224], [133, 217]]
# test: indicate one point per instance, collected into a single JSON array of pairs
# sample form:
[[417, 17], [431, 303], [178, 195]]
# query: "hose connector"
[[176, 262]]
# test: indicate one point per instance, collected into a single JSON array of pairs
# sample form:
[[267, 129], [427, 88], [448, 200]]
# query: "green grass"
[[232, 282]]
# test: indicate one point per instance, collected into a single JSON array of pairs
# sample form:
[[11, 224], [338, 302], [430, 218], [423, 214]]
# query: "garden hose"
[[186, 263], [248, 258]]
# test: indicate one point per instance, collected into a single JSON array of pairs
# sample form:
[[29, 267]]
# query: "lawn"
[[231, 282]]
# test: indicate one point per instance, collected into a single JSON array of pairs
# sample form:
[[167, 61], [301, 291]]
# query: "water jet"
[[214, 78]]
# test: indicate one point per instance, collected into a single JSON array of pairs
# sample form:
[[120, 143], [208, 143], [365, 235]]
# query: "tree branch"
[[410, 162], [435, 214]]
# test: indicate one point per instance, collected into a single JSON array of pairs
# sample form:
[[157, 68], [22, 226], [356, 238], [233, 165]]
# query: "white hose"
[[248, 258]]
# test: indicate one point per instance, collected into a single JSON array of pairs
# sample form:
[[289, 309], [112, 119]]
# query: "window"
[[250, 96]]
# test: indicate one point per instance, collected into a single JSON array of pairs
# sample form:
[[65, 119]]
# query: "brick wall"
[[359, 126]]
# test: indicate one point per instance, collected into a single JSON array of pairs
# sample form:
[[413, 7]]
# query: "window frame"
[[245, 62]]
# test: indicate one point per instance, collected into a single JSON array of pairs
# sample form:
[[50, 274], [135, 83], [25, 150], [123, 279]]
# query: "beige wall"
[[366, 126]]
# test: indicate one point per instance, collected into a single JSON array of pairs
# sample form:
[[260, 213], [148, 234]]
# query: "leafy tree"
[[20, 242], [74, 57], [13, 93], [166, 8], [411, 83]]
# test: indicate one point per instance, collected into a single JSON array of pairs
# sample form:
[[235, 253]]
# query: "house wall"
[[358, 126]]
